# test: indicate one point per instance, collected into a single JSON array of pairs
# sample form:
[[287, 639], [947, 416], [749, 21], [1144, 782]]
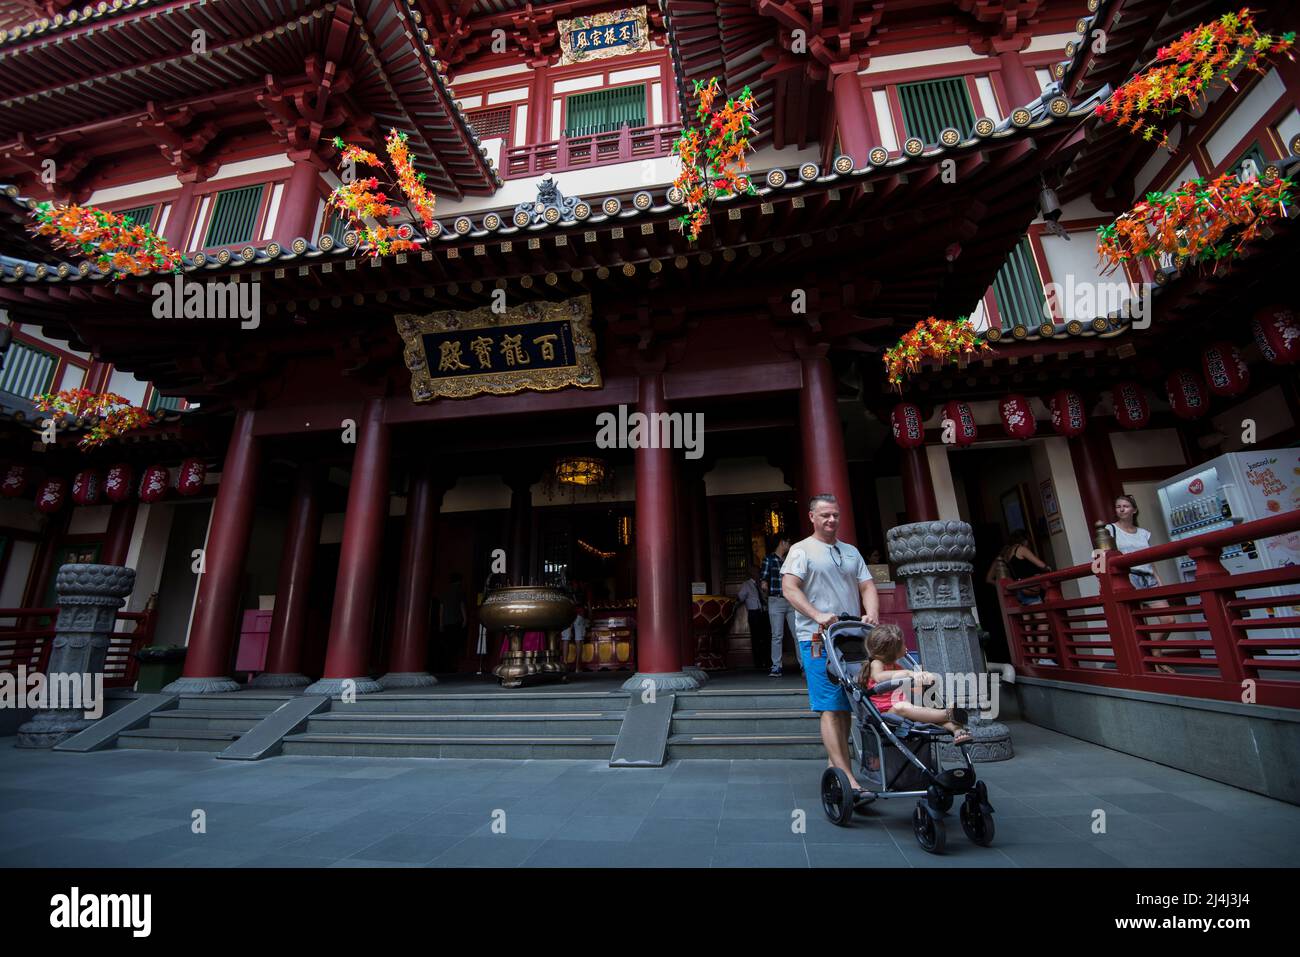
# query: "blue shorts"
[[822, 694]]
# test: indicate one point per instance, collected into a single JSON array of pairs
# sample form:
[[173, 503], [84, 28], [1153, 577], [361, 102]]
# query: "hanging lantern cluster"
[[118, 482], [1017, 417], [1132, 411], [1186, 394], [1069, 416], [1226, 372], [153, 484], [908, 426], [15, 481], [1277, 334], [965, 431], [190, 479], [51, 494], [86, 487]]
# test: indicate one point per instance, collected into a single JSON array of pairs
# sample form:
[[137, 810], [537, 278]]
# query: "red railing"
[[595, 149], [1220, 643], [29, 640]]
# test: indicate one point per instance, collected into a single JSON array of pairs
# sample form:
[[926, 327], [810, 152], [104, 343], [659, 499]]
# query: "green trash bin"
[[160, 665]]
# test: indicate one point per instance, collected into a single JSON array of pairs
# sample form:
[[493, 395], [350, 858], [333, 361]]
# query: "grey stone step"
[[343, 721], [159, 739], [222, 719], [502, 702], [745, 746], [264, 701], [597, 746], [780, 699], [747, 721]]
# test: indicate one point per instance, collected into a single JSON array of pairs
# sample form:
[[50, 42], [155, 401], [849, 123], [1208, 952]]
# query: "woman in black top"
[[1019, 561]]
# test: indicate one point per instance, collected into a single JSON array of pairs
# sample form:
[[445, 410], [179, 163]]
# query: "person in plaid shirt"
[[779, 611]]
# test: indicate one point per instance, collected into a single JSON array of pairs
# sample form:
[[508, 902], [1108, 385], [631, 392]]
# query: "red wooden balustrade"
[[28, 641], [596, 149], [1216, 647]]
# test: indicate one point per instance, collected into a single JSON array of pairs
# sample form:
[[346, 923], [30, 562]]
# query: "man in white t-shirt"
[[824, 578]]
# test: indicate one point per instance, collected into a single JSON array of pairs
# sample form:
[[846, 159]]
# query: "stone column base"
[[992, 742], [281, 680], [50, 728], [408, 679], [202, 686], [334, 687], [698, 673], [669, 681]]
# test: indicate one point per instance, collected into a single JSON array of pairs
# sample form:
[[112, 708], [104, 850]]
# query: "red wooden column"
[[539, 103], [1095, 471], [851, 116], [918, 486], [180, 217], [216, 607], [297, 215], [658, 617], [1019, 80], [348, 652], [409, 659], [117, 541], [289, 620], [825, 468]]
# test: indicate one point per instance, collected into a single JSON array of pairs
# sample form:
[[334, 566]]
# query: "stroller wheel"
[[930, 832], [837, 796], [977, 823]]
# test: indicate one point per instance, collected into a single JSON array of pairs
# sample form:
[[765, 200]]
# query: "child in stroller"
[[898, 756], [884, 648]]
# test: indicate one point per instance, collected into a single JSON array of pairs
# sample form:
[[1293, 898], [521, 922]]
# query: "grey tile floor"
[[135, 808]]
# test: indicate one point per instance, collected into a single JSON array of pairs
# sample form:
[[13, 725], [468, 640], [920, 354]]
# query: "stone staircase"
[[203, 722], [517, 725], [744, 723]]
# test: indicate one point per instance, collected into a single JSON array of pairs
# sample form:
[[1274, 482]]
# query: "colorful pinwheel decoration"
[[361, 199], [946, 340], [712, 154], [115, 244], [114, 415]]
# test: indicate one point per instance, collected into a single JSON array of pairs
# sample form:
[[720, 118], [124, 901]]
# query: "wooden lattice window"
[[604, 111], [27, 371], [490, 124], [930, 107], [142, 215], [1019, 289], [234, 216]]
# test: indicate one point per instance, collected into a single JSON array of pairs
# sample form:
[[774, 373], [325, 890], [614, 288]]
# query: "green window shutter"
[[338, 225], [140, 215], [1019, 289], [932, 106], [604, 111], [234, 216], [27, 371], [168, 402]]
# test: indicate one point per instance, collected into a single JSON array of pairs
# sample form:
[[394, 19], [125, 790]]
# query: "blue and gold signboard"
[[539, 346], [603, 35]]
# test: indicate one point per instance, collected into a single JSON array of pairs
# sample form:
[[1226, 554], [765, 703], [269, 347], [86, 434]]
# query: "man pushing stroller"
[[823, 578]]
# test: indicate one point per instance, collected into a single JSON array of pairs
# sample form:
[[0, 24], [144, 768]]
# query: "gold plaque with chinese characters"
[[539, 346], [603, 35]]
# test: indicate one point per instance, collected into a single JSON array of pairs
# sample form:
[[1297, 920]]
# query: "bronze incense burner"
[[517, 609]]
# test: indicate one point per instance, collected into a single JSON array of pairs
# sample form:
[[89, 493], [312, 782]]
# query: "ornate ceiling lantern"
[[774, 521], [584, 471]]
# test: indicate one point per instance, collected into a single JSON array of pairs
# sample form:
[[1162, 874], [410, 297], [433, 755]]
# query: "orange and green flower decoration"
[[362, 199], [712, 154], [114, 415], [944, 340], [115, 244]]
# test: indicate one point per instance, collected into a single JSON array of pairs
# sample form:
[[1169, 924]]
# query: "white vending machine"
[[1231, 489]]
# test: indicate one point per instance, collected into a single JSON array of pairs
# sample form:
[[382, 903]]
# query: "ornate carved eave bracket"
[[841, 44], [184, 139], [303, 112]]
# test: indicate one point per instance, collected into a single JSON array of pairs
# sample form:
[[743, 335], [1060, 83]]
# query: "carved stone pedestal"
[[934, 562], [89, 597]]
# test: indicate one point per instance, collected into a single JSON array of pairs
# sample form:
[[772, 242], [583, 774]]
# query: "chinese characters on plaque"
[[603, 35], [540, 346]]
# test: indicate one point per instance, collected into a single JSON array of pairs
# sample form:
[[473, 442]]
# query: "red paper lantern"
[[85, 487], [1277, 334], [50, 494], [1017, 417], [153, 484], [1187, 395], [117, 483], [1132, 410], [1069, 417], [190, 481], [909, 428], [15, 481], [966, 431], [1225, 371]]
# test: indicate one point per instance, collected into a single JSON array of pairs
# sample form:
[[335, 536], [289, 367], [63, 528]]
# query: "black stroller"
[[898, 758]]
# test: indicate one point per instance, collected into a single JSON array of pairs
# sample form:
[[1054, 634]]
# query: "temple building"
[[359, 442]]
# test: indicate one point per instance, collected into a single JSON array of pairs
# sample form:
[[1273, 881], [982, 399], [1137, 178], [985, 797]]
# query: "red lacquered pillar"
[[347, 664], [117, 541], [1021, 84], [825, 467], [658, 612], [918, 486], [216, 608], [851, 117], [298, 208], [289, 619], [408, 662], [1094, 470]]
